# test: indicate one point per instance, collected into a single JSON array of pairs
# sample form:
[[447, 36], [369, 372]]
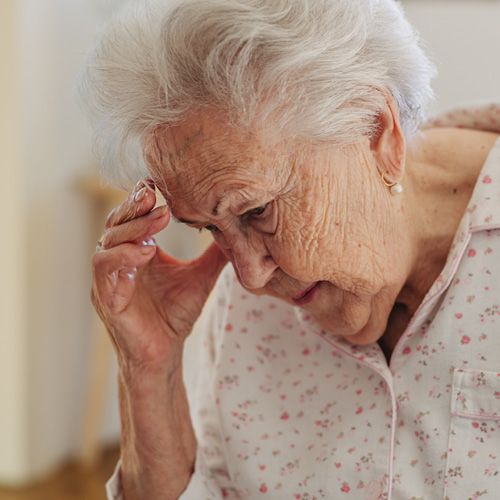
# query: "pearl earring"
[[395, 187]]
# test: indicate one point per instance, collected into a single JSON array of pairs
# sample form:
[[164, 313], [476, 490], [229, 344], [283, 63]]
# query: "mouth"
[[306, 295]]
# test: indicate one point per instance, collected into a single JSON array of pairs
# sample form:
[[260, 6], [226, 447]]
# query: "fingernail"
[[140, 184], [146, 249], [140, 194]]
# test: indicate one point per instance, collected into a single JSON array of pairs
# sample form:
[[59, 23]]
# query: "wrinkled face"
[[288, 217]]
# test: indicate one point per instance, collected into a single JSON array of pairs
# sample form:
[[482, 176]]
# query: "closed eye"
[[255, 213]]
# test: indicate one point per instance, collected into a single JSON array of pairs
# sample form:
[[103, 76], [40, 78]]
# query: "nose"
[[253, 264]]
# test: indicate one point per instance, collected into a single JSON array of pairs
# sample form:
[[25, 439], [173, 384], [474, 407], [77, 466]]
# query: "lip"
[[305, 295]]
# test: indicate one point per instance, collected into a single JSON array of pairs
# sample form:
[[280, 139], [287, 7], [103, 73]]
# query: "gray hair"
[[316, 68]]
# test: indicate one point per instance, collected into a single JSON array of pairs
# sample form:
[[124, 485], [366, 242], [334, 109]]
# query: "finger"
[[137, 230], [117, 299], [139, 202], [114, 272]]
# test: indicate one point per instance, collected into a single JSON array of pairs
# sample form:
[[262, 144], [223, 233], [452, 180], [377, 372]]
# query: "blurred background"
[[59, 421]]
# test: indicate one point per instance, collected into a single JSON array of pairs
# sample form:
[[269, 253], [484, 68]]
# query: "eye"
[[255, 212]]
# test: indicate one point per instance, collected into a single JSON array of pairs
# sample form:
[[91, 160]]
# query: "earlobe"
[[388, 143]]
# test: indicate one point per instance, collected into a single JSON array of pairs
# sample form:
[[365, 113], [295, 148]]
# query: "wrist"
[[155, 368], [156, 424], [151, 484]]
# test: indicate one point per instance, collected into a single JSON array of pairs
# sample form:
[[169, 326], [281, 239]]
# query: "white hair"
[[316, 68]]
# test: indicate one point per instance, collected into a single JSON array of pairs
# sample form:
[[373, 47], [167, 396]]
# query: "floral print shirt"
[[284, 410]]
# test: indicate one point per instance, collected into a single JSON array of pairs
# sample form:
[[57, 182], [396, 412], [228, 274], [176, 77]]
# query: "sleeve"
[[113, 485], [211, 479]]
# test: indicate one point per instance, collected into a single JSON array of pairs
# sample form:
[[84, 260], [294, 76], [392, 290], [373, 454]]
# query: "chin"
[[360, 334], [369, 334], [360, 321]]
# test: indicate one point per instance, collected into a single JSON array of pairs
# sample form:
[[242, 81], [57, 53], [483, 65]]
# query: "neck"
[[440, 174]]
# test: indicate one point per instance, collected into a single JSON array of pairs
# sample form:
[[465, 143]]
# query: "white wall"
[[52, 318], [463, 37]]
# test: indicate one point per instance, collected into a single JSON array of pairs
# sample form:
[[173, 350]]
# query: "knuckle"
[[121, 215], [132, 210], [107, 238], [111, 218], [123, 212]]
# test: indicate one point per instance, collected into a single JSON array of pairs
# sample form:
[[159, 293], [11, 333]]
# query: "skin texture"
[[326, 216], [330, 217]]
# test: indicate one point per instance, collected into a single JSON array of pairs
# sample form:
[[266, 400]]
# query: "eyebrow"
[[186, 221], [215, 211]]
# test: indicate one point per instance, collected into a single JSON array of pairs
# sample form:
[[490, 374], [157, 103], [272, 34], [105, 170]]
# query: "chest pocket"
[[473, 458]]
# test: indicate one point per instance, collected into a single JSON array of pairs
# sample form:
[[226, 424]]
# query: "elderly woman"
[[351, 347]]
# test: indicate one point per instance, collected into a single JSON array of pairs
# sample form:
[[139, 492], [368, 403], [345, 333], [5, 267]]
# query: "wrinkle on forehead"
[[190, 158], [159, 151], [212, 126]]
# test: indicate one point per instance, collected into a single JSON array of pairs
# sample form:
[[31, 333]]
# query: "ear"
[[388, 145]]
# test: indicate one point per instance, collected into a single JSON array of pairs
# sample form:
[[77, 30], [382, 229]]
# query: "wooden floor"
[[71, 482]]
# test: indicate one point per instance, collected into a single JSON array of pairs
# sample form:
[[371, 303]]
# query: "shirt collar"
[[484, 204]]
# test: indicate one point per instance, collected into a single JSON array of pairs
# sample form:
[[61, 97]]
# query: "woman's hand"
[[149, 302]]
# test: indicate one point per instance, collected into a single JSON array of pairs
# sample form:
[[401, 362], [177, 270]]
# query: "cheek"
[[305, 237], [315, 249], [297, 252]]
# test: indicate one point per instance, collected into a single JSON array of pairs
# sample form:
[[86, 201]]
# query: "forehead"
[[202, 155]]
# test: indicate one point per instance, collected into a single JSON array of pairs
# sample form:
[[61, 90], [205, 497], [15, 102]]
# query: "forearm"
[[158, 444]]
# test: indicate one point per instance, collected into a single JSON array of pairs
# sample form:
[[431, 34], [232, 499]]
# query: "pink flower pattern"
[[284, 410]]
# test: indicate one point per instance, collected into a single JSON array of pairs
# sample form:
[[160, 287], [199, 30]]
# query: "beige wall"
[[55, 143], [49, 229], [13, 355], [47, 238]]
